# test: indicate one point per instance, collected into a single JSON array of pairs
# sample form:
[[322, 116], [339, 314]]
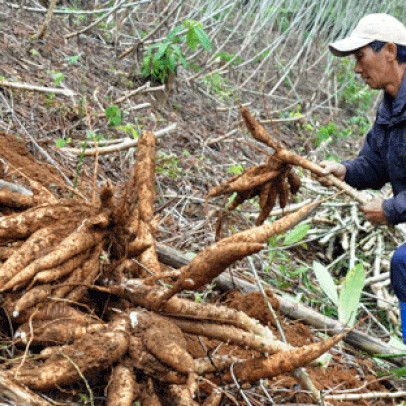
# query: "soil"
[[189, 162], [298, 334]]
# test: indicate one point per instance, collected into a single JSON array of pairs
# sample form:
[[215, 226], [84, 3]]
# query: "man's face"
[[373, 67]]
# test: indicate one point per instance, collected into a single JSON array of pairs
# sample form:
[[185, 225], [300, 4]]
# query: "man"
[[379, 45]]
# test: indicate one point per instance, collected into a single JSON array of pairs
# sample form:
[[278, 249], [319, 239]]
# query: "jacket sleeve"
[[368, 170], [395, 209]]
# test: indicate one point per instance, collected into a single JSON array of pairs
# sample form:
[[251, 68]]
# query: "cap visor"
[[347, 46]]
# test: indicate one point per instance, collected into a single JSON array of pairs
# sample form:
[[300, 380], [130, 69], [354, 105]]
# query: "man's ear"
[[391, 51]]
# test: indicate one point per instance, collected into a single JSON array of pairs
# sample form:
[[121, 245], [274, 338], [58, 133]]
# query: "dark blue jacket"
[[383, 156]]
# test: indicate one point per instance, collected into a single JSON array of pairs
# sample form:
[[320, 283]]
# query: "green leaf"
[[174, 32], [350, 295], [326, 282], [180, 56], [203, 38], [113, 113], [151, 48], [114, 121], [192, 38], [231, 198], [399, 372], [60, 142], [58, 77], [171, 64], [161, 51], [297, 234]]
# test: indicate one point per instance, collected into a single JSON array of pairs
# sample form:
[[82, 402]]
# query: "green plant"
[[330, 132], [277, 252], [94, 135], [73, 59], [262, 56], [201, 296], [57, 76], [295, 112], [60, 142], [113, 114], [358, 124], [161, 59], [284, 19], [294, 236], [79, 167], [218, 86], [91, 135], [130, 129], [226, 57], [84, 397], [167, 164], [235, 168], [231, 198], [348, 300]]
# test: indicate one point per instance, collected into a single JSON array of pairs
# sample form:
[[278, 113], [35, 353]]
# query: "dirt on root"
[[336, 374], [21, 162]]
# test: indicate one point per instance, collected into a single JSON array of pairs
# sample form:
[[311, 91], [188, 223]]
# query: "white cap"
[[373, 27]]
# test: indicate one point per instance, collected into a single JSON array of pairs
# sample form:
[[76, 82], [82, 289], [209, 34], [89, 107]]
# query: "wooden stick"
[[128, 143], [370, 395], [349, 190], [27, 86], [103, 17], [143, 89], [43, 29]]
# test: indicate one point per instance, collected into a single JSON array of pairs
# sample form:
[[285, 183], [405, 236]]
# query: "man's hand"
[[373, 212], [331, 167]]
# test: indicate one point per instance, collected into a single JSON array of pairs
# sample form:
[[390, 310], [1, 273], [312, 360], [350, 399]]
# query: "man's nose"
[[357, 68]]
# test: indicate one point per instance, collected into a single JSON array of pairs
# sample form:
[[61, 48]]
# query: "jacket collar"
[[393, 110]]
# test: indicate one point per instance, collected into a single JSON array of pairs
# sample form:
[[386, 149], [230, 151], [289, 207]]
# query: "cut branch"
[[43, 29], [34, 88], [127, 144]]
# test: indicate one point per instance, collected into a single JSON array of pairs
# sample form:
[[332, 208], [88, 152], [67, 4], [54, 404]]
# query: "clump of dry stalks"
[[55, 252]]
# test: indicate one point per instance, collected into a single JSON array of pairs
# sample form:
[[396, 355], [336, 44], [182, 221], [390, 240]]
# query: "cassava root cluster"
[[274, 181], [59, 254], [271, 181]]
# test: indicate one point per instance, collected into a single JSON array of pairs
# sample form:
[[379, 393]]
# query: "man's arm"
[[395, 209], [374, 212], [368, 170]]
